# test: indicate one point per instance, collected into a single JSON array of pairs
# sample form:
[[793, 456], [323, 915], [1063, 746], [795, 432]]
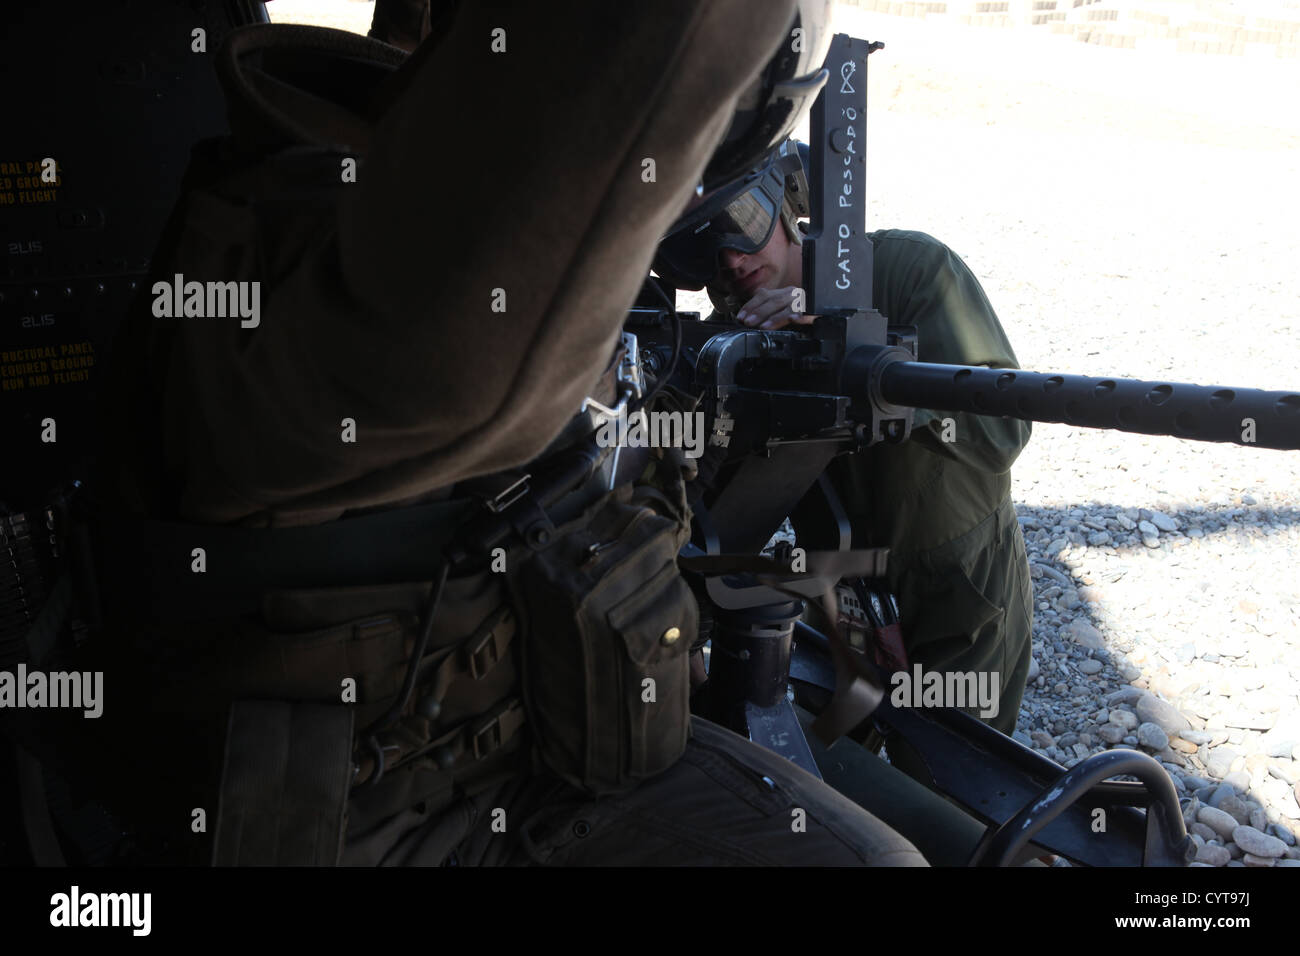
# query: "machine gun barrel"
[[1243, 416]]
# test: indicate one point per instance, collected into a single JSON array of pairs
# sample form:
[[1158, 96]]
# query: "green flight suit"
[[943, 507]]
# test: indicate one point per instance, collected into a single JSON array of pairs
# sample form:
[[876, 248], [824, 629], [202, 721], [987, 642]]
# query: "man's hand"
[[775, 309]]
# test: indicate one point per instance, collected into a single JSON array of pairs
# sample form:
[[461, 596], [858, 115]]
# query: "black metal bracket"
[[1022, 795]]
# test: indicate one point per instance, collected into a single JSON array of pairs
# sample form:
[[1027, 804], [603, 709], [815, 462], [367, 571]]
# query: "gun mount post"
[[749, 671], [837, 256]]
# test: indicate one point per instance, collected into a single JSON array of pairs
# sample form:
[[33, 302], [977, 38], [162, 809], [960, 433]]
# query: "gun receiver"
[[854, 382]]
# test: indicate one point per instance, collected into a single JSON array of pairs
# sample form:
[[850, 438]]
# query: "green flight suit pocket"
[[950, 606], [947, 589]]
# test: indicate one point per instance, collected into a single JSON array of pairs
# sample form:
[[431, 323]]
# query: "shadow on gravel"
[[1069, 633]]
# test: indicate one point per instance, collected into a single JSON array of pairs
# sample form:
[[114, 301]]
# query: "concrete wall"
[[1254, 28]]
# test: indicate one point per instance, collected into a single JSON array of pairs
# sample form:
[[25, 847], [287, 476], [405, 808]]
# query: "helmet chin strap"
[[725, 304], [790, 222]]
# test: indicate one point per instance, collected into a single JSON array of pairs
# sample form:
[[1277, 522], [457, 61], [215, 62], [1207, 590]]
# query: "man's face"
[[777, 265]]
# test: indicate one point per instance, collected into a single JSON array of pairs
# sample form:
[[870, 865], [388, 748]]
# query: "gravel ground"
[[1129, 214]]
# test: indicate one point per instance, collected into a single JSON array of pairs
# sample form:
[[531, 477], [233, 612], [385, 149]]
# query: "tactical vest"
[[330, 677], [554, 635]]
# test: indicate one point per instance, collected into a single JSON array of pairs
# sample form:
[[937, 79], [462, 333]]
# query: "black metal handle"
[[1010, 838]]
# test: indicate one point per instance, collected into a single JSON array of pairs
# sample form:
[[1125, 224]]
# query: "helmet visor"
[[739, 216], [688, 258]]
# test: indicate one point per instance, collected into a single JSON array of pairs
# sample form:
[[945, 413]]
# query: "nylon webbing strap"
[[284, 784], [475, 656], [157, 559]]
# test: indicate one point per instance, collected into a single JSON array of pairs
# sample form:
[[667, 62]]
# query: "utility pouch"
[[284, 784], [609, 626]]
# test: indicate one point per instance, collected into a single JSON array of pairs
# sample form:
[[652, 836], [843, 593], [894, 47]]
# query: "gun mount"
[[780, 405]]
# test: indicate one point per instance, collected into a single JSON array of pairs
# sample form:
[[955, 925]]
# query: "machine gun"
[[780, 405]]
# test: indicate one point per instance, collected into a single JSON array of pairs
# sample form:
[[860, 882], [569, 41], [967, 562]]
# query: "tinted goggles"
[[741, 217]]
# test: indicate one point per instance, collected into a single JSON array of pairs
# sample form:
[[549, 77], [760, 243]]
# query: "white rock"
[[1254, 842], [1201, 830], [1124, 719], [1163, 521], [1212, 855], [1151, 737], [1289, 773], [1111, 733], [1081, 632], [1218, 821], [1152, 708]]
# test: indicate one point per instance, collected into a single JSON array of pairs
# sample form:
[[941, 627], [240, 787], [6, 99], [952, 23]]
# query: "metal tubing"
[[1243, 416]]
